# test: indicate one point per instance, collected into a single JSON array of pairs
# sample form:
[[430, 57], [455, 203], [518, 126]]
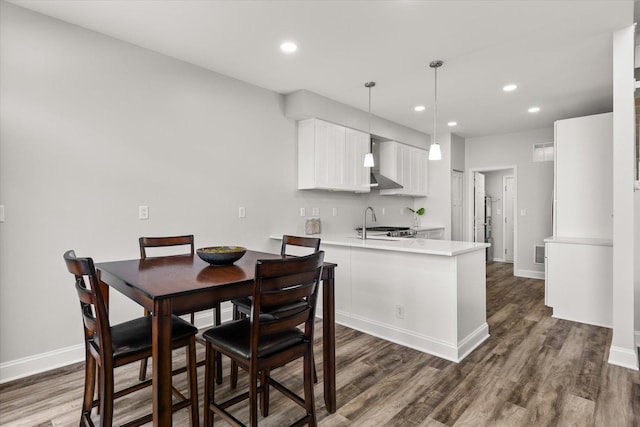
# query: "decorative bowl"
[[221, 255]]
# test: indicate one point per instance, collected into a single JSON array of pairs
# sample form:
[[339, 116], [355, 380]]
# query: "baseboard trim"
[[529, 274], [627, 358], [453, 352], [31, 365], [38, 363]]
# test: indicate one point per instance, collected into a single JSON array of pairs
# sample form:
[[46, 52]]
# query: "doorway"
[[496, 190]]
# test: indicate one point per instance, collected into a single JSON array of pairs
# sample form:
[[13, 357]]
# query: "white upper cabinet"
[[330, 157], [583, 177], [406, 165]]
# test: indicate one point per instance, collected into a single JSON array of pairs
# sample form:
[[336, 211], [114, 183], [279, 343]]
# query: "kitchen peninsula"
[[429, 295]]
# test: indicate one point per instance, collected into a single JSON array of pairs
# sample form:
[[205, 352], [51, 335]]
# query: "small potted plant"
[[416, 218]]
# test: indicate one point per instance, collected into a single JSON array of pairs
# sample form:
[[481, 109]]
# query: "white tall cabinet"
[[578, 268]]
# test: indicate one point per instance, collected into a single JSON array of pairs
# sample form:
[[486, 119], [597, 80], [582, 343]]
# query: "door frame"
[[460, 174], [513, 213], [470, 194]]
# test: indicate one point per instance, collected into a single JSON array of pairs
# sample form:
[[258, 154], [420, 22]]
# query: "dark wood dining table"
[[183, 284]]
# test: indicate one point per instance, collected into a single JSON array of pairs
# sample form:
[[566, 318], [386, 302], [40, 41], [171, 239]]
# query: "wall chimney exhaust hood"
[[379, 181]]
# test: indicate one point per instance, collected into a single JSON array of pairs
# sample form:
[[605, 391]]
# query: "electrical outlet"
[[316, 211], [242, 212], [400, 311], [143, 212]]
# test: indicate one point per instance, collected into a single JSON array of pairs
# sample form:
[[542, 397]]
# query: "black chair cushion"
[[233, 337], [135, 335]]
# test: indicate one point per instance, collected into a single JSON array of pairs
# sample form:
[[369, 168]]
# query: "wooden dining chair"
[[165, 242], [242, 306], [110, 346], [262, 342]]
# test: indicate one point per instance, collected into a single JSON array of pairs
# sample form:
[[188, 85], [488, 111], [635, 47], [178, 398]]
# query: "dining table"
[[182, 284]]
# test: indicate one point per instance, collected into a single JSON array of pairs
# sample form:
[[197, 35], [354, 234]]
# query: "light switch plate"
[[316, 211], [303, 212], [242, 212], [1, 213]]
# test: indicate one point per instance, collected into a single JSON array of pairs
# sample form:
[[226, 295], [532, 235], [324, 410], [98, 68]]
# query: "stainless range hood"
[[379, 181]]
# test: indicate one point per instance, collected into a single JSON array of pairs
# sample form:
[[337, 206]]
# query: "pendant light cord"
[[369, 85], [369, 111], [435, 105], [435, 65]]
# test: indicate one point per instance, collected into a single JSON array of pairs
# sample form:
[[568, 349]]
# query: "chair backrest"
[[155, 242], [301, 242], [92, 303], [291, 283]]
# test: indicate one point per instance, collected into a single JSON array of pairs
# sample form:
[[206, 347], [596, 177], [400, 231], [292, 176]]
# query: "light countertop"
[[399, 244], [579, 240]]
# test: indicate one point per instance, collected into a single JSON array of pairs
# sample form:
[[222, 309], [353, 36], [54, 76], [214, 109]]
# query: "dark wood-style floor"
[[534, 371]]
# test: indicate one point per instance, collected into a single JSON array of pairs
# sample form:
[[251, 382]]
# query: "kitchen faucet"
[[364, 221]]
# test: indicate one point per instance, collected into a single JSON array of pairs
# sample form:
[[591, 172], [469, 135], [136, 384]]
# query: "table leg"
[[161, 329], [329, 339]]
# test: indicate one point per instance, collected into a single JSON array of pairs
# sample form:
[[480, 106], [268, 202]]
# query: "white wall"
[[90, 128], [534, 187], [623, 348], [457, 152]]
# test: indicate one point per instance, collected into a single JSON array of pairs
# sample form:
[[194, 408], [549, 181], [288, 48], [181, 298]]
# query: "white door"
[[478, 208], [508, 198], [457, 180]]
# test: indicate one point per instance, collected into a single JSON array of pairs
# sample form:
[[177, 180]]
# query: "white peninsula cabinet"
[[330, 157], [429, 295], [407, 165]]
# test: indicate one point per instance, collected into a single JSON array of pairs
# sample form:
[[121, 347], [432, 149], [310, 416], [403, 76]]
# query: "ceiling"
[[559, 53]]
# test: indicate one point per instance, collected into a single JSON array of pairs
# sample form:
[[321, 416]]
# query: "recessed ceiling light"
[[288, 47], [452, 124], [533, 109], [510, 88], [419, 108]]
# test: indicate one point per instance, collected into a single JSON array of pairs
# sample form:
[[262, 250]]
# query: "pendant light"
[[434, 150], [368, 158]]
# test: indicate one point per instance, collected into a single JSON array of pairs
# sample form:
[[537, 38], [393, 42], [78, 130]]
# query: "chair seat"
[[135, 335], [233, 338]]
